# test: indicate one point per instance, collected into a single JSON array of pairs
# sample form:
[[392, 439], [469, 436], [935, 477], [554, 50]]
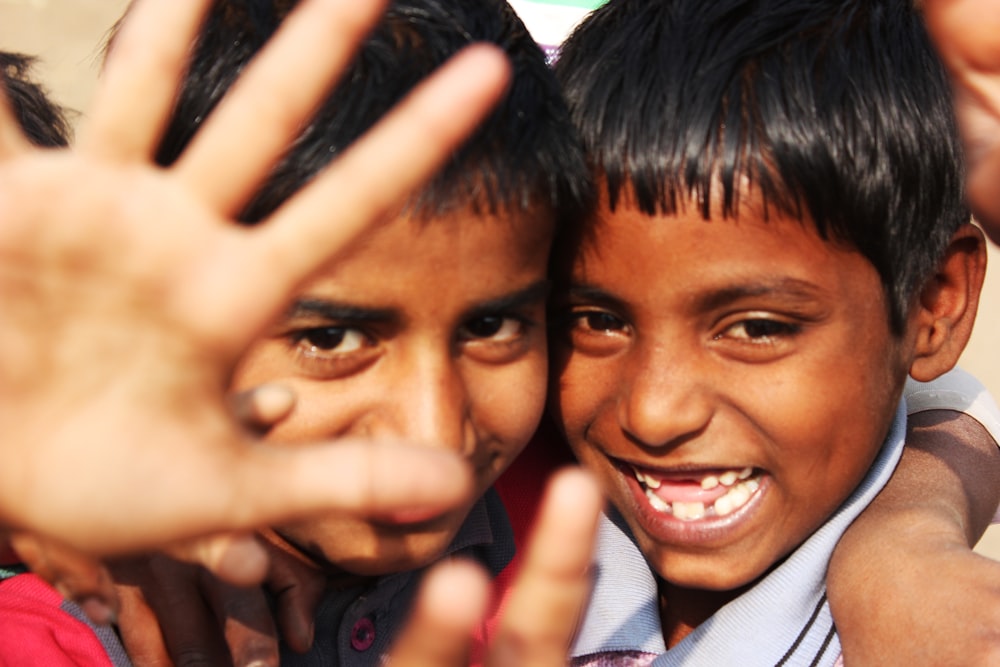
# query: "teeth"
[[658, 503], [650, 481], [735, 498], [723, 506], [728, 478], [689, 511], [746, 472], [710, 482]]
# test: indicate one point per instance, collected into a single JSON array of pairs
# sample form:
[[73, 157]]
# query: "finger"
[[12, 139], [248, 626], [450, 604], [261, 408], [258, 484], [379, 171], [297, 589], [138, 627], [76, 576], [189, 626], [315, 42], [135, 93], [966, 32], [383, 480], [553, 585], [234, 558], [984, 193]]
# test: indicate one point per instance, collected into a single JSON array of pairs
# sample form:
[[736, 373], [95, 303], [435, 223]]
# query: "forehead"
[[457, 250], [632, 253]]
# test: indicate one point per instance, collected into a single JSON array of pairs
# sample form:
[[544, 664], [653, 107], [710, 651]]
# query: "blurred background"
[[67, 36]]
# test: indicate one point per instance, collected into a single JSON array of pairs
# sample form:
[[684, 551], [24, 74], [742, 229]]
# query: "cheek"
[[581, 389], [510, 402], [321, 412]]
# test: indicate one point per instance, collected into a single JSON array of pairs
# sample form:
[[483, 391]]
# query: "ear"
[[947, 305]]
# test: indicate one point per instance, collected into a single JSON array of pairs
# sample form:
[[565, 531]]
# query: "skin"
[[464, 371], [763, 356], [967, 35], [199, 471], [940, 500], [144, 271]]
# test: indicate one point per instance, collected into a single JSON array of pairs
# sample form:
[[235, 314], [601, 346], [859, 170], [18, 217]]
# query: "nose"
[[428, 405], [666, 399]]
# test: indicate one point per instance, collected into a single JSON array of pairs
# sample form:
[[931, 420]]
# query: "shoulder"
[[38, 628]]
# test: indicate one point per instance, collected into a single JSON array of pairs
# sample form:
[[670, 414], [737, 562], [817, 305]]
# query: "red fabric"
[[34, 630], [521, 488]]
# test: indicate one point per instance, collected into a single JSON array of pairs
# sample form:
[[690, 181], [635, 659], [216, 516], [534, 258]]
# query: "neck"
[[684, 609]]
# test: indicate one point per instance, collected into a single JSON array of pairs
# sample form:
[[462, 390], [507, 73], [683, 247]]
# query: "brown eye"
[[494, 327], [331, 339], [601, 321], [760, 330]]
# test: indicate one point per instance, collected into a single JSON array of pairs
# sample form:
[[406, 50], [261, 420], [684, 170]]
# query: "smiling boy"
[[780, 240]]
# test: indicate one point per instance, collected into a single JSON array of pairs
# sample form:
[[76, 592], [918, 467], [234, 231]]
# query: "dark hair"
[[41, 120], [838, 111], [525, 155]]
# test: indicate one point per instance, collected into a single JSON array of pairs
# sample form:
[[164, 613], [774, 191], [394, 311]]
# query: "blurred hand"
[[128, 295], [549, 596], [177, 614], [967, 34]]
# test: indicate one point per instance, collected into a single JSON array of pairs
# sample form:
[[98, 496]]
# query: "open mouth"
[[691, 496]]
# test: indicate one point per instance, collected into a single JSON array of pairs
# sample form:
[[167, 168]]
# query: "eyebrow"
[[788, 289], [538, 291], [596, 295], [336, 311]]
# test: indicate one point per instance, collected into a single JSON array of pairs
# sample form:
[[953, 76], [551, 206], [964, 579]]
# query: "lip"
[[707, 532]]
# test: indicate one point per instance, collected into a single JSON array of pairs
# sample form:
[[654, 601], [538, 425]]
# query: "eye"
[[595, 332], [493, 328], [598, 321], [759, 330], [332, 352], [321, 340]]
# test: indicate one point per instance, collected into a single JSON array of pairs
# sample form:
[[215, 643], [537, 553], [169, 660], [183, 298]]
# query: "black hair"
[[42, 120], [525, 155], [835, 111]]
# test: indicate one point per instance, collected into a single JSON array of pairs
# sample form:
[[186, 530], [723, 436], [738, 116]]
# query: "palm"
[[128, 293]]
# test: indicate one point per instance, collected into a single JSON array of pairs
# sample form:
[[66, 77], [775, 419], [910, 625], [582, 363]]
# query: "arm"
[[905, 568]]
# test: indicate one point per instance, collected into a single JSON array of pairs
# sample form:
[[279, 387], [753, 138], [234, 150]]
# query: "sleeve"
[[959, 391], [36, 629], [955, 390]]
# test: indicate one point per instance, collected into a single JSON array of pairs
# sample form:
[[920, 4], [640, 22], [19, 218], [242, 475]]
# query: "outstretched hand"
[[967, 34], [128, 294]]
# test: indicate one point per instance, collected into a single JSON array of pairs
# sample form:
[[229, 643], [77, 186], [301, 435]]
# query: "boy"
[[432, 327], [780, 239]]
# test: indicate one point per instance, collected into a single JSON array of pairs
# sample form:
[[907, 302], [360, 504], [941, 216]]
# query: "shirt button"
[[363, 635]]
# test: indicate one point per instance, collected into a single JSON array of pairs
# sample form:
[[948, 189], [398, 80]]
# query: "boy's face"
[[730, 382], [433, 333]]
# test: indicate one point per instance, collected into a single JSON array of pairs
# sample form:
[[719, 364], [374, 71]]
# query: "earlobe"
[[947, 305]]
